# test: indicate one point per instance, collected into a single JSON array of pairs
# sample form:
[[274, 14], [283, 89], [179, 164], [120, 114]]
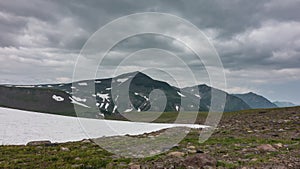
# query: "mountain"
[[232, 103], [131, 92], [255, 101], [284, 104]]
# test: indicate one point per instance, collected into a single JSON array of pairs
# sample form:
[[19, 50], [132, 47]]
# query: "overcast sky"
[[258, 41]]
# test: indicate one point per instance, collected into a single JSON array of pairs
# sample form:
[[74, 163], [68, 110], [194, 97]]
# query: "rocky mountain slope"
[[111, 97], [256, 101]]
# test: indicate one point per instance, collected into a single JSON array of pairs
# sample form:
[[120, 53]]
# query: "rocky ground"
[[248, 139]]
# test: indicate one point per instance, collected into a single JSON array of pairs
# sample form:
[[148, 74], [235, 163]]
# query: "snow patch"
[[106, 106], [97, 81], [180, 94], [26, 86], [82, 84], [115, 108], [18, 127], [177, 108], [58, 98], [76, 102], [103, 96], [122, 80], [197, 95], [128, 110], [78, 99], [146, 98]]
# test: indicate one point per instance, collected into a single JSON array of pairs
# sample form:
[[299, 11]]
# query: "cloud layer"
[[258, 41]]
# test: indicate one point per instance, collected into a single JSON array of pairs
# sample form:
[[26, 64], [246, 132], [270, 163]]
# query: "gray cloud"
[[258, 41]]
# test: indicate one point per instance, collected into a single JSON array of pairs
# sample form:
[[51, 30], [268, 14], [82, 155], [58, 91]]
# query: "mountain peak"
[[132, 74]]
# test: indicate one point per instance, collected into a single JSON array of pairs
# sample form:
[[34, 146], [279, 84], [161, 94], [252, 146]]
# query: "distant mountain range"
[[256, 101], [64, 98], [284, 104]]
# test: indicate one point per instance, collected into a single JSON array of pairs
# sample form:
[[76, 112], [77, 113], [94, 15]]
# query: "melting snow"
[[128, 110], [26, 86], [73, 101], [58, 98], [122, 80], [109, 88], [78, 99], [106, 106], [147, 99], [180, 94], [115, 108], [103, 96], [97, 81], [177, 108], [197, 95], [18, 127], [137, 94], [82, 84]]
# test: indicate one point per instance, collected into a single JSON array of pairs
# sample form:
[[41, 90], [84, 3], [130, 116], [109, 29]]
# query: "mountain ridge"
[[139, 87]]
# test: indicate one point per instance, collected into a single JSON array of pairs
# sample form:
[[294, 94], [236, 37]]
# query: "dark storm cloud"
[[250, 36]]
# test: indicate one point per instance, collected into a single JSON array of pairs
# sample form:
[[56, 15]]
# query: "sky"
[[257, 41]]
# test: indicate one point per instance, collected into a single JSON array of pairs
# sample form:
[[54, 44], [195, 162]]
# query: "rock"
[[64, 149], [135, 166], [266, 148], [86, 141], [77, 158], [39, 143], [278, 145], [275, 135], [254, 159], [176, 154], [192, 151], [296, 137], [199, 151], [200, 161], [77, 166], [191, 147]]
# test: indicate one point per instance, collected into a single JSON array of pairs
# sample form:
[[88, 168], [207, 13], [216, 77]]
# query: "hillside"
[[256, 101]]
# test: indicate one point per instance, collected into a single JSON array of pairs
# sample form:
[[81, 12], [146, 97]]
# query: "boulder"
[[200, 161], [266, 148], [39, 143], [176, 154]]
